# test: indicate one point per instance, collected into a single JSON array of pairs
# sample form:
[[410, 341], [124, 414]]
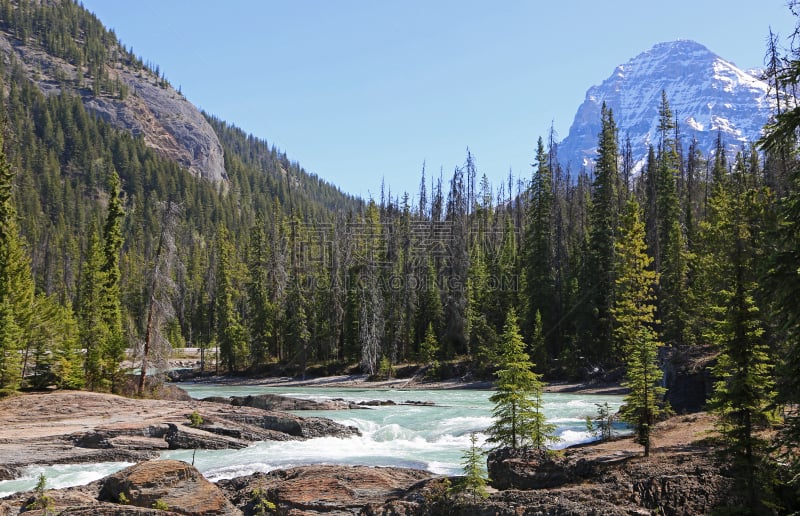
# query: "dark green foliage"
[[10, 349], [634, 318], [41, 501], [474, 482], [195, 419], [601, 425], [598, 275], [782, 280], [16, 284], [93, 326], [231, 333], [279, 265], [539, 256], [519, 420], [114, 348], [260, 315], [429, 349], [665, 237]]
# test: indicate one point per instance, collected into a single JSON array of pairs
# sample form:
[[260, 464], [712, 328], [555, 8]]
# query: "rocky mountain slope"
[[707, 94], [115, 86]]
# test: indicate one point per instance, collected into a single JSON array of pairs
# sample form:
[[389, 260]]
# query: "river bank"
[[69, 427], [681, 477], [362, 381]]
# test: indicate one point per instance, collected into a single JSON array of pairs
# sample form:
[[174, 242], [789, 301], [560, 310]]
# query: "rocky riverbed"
[[682, 477], [77, 427]]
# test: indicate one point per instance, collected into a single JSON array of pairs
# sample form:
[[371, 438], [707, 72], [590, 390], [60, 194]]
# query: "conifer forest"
[[112, 256]]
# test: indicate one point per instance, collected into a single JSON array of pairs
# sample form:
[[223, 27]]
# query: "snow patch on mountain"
[[706, 93]]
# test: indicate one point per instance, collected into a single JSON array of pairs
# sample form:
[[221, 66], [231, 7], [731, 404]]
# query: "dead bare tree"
[[162, 285]]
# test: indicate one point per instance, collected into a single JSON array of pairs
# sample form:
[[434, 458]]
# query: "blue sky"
[[360, 90]]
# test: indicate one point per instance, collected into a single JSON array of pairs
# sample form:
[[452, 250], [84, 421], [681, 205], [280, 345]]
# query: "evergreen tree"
[[371, 308], [598, 274], [670, 257], [10, 348], [429, 308], [67, 362], [744, 395], [260, 308], [538, 252], [782, 285], [537, 347], [633, 314], [429, 349], [456, 267], [482, 335], [93, 326], [231, 335], [519, 420], [113, 351], [16, 283], [782, 282], [296, 325], [474, 482]]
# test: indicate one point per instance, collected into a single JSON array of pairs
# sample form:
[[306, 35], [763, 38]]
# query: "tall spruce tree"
[[598, 278], [93, 326], [457, 264], [114, 347], [261, 311], [782, 284], [669, 240], [231, 333], [782, 281], [519, 419], [744, 395], [634, 318], [539, 277], [371, 320]]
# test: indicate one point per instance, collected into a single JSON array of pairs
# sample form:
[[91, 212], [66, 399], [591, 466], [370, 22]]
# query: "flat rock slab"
[[77, 427]]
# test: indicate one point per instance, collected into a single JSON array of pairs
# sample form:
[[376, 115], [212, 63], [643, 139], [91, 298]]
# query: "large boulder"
[[533, 469], [285, 403], [323, 489], [170, 483], [296, 426]]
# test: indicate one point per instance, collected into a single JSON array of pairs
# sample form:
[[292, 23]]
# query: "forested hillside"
[[110, 251], [65, 163], [281, 266]]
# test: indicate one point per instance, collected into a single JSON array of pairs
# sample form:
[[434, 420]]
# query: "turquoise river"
[[432, 438]]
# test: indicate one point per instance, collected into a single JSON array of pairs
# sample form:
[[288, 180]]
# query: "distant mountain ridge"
[[706, 93]]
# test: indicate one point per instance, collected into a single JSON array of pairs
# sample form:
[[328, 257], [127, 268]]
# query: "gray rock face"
[[170, 125], [282, 403], [707, 95]]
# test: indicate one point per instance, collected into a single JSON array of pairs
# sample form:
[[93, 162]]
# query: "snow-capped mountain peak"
[[706, 93]]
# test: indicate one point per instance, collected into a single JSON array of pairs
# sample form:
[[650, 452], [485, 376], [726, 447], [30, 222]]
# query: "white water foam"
[[431, 438], [60, 475]]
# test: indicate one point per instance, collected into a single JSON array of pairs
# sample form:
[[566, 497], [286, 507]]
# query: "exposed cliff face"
[[169, 124]]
